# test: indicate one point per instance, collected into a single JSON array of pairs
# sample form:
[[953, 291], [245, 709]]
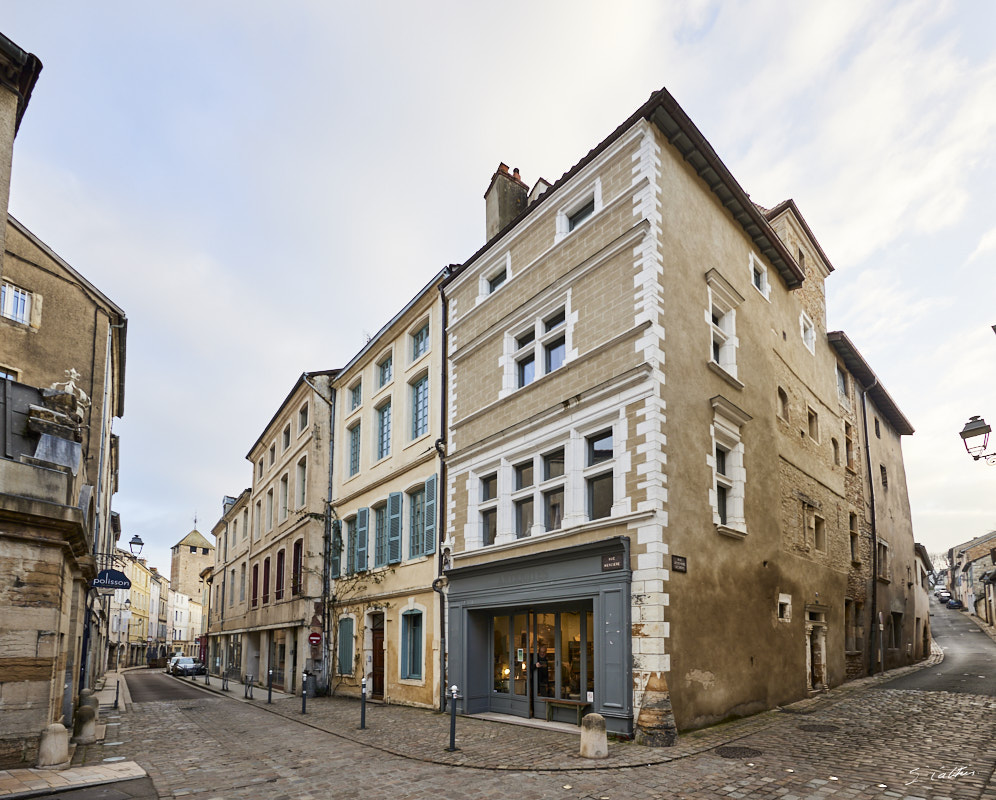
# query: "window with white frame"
[[496, 280], [523, 501], [420, 407], [302, 418], [354, 449], [540, 348], [808, 332], [489, 508], [384, 430], [422, 519], [420, 342], [301, 482], [721, 317], [552, 489], [286, 438], [726, 459], [598, 474], [579, 207], [385, 370], [813, 424], [355, 395], [411, 645], [15, 303], [759, 276]]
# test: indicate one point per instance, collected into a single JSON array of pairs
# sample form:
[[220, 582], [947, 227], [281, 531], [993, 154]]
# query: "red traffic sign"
[[315, 639]]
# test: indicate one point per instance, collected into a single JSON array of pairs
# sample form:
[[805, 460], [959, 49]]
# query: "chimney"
[[504, 199]]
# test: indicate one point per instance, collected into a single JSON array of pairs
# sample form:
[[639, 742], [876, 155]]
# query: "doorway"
[[377, 668], [278, 658]]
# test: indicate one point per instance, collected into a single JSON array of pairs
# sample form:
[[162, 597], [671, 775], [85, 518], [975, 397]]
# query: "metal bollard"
[[224, 682], [363, 704], [117, 688], [206, 677], [247, 689], [453, 698], [269, 688], [304, 693]]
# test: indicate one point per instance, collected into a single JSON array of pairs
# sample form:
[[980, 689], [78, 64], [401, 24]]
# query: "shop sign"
[[111, 579], [612, 562]]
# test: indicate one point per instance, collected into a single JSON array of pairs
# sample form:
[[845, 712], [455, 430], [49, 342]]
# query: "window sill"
[[733, 533], [726, 376]]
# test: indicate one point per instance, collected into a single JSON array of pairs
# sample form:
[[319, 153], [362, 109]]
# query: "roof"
[[663, 111], [19, 73], [280, 409], [194, 539], [786, 205], [959, 548], [859, 368]]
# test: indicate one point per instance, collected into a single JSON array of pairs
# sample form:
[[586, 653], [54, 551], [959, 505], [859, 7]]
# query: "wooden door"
[[378, 664]]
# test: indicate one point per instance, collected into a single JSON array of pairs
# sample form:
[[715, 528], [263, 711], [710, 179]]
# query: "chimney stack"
[[504, 199]]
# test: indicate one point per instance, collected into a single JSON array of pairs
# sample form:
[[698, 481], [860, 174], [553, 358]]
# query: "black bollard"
[[304, 693], [363, 704], [453, 698], [269, 687], [117, 688]]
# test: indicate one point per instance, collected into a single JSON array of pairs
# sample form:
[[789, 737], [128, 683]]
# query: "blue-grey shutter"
[[362, 537], [336, 545], [429, 527], [345, 666], [394, 505]]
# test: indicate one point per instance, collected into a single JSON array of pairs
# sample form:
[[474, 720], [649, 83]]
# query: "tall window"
[[723, 483], [345, 665], [416, 523], [385, 371], [553, 494], [278, 589], [855, 540], [242, 583], [255, 585], [256, 520], [302, 418], [541, 348], [297, 568], [284, 490], [420, 407], [848, 445], [489, 508], [266, 581], [15, 303], [351, 546], [354, 449], [522, 500], [380, 535], [356, 395], [729, 473], [269, 510], [420, 341], [286, 438], [808, 332], [721, 315], [411, 645], [302, 482], [231, 590], [384, 430], [842, 384], [598, 480]]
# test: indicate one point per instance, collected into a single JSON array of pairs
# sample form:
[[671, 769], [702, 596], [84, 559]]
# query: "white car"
[[170, 663]]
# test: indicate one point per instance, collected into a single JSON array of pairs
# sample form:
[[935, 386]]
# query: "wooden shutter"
[[429, 527], [362, 538], [394, 505]]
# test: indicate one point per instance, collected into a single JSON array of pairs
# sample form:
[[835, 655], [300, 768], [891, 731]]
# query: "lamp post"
[[977, 427]]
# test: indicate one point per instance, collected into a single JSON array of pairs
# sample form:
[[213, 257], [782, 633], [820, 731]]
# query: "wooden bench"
[[579, 705]]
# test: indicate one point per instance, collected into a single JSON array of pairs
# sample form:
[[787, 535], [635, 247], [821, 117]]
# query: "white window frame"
[[354, 452], [721, 317], [414, 401], [538, 348], [414, 338], [15, 303], [356, 395], [758, 272], [495, 268], [285, 438], [385, 432], [385, 362], [807, 330], [303, 417], [725, 434], [588, 192]]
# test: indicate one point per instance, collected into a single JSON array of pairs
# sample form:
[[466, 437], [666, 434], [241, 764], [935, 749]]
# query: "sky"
[[261, 186]]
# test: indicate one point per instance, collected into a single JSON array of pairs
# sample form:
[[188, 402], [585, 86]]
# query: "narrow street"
[[878, 738]]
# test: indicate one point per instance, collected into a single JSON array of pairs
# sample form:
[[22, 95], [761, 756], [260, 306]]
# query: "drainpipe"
[[876, 634], [439, 583]]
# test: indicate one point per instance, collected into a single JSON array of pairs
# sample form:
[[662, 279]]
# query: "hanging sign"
[[111, 579]]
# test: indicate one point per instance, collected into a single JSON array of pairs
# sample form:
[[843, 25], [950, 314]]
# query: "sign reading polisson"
[[111, 579]]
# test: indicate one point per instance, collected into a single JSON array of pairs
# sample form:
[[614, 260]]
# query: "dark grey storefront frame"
[[568, 575]]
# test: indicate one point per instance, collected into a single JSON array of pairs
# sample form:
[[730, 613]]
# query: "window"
[[351, 546], [269, 510], [820, 533], [284, 490], [785, 607], [883, 571], [885, 476], [727, 463], [354, 449], [802, 259], [852, 524], [273, 454], [759, 276], [579, 216], [8, 373], [721, 317], [848, 445], [543, 343], [15, 303], [356, 395], [783, 404], [836, 452], [256, 521], [301, 482], [489, 508], [814, 425], [286, 438], [345, 665], [420, 407], [297, 567], [242, 583], [302, 418], [361, 537], [411, 645], [266, 581], [807, 331], [878, 429], [422, 519], [278, 588], [387, 531], [420, 341], [523, 504], [497, 280], [384, 430], [385, 371], [259, 472], [896, 638], [578, 208], [599, 485], [193, 549], [842, 384]]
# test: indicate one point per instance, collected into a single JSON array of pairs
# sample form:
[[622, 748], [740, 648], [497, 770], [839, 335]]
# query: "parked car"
[[170, 664], [944, 596], [955, 603], [188, 666]]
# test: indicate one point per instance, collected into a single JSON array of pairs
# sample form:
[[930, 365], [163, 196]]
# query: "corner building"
[[658, 505]]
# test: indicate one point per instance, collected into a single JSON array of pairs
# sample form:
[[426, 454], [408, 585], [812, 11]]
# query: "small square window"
[[553, 465], [489, 487], [524, 475], [579, 216], [489, 525], [526, 339], [599, 448], [555, 321], [497, 280]]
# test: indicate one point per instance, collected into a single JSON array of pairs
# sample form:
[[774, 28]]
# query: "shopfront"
[[545, 635]]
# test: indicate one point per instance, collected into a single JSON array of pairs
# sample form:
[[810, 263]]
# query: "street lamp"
[[974, 428], [124, 619]]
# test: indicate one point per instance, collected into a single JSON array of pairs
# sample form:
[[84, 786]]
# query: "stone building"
[[385, 622], [62, 369], [971, 565], [662, 499], [188, 557], [267, 575]]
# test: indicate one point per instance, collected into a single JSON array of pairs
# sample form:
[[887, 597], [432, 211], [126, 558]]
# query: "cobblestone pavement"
[[853, 743]]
